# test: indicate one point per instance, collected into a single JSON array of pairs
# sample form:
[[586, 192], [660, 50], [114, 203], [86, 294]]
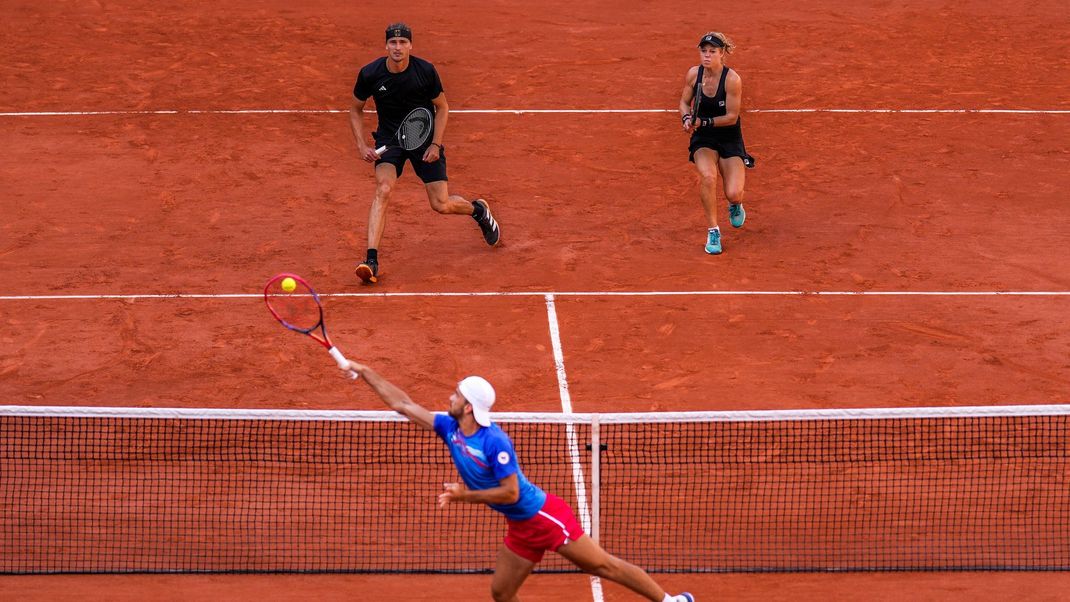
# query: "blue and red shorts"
[[552, 527]]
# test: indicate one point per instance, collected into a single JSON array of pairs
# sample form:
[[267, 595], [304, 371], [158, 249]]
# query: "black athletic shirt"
[[716, 106], [397, 93]]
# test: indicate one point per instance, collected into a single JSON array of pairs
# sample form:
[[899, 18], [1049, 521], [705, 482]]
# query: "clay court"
[[905, 245]]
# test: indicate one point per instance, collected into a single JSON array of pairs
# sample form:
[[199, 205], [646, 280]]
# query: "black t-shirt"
[[396, 94]]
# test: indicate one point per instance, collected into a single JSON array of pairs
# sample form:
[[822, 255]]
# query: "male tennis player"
[[399, 83], [537, 521], [717, 146]]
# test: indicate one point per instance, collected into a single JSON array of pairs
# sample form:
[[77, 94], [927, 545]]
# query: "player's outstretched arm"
[[395, 398]]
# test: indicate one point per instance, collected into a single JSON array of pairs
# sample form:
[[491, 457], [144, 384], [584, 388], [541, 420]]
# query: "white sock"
[[668, 598]]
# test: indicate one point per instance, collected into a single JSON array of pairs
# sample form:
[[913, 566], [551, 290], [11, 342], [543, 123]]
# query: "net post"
[[596, 477]]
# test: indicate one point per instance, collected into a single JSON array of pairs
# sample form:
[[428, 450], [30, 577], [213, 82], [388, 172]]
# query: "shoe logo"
[[383, 89], [720, 103]]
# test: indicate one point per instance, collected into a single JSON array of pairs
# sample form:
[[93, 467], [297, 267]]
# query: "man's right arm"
[[395, 398], [356, 125]]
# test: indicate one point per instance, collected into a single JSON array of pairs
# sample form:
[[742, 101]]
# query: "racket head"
[[299, 309], [415, 129]]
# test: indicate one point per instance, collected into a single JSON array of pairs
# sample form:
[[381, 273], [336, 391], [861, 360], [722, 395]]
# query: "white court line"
[[570, 431], [514, 111], [544, 294]]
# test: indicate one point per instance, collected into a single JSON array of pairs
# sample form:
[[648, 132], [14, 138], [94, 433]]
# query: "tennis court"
[[905, 243]]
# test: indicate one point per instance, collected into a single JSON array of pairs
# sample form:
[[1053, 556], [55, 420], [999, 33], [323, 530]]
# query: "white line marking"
[[578, 480], [514, 111], [544, 294]]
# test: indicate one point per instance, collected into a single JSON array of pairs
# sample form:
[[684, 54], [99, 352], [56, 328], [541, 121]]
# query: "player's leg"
[[444, 202], [733, 175], [386, 177], [510, 571], [586, 554], [706, 163], [434, 177]]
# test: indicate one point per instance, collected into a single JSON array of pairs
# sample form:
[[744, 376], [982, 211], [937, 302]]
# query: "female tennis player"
[[537, 521], [709, 111]]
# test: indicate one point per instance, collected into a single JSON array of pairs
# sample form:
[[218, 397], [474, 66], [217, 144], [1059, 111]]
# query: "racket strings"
[[415, 130], [298, 309]]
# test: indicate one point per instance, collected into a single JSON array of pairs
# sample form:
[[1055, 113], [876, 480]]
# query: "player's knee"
[[708, 179], [383, 190], [440, 205], [608, 568], [501, 594]]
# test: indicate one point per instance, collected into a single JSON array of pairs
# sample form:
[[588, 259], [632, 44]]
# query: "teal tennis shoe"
[[736, 214], [713, 241]]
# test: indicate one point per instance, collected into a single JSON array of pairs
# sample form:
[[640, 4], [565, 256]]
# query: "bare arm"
[[507, 492], [442, 113], [733, 99], [686, 97], [356, 125], [395, 398]]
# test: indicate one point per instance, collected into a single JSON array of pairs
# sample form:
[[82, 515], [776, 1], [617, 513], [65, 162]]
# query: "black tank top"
[[715, 106]]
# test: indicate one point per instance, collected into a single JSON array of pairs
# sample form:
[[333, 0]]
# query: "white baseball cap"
[[478, 392]]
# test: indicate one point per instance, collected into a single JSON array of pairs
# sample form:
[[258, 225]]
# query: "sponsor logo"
[[383, 89], [503, 457]]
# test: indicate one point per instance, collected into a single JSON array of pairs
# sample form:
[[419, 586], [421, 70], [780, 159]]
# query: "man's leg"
[[591, 558], [385, 178], [443, 202], [509, 574]]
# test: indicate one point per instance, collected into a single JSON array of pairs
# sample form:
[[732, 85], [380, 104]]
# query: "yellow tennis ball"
[[289, 284]]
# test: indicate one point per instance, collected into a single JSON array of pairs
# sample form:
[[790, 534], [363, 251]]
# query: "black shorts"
[[428, 172], [732, 147]]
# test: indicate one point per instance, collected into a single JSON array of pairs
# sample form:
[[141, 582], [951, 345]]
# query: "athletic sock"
[[668, 598], [478, 211], [373, 255]]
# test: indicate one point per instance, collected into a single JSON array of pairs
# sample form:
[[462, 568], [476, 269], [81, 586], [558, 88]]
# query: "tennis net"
[[181, 490]]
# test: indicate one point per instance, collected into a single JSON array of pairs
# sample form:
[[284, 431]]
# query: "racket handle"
[[380, 150], [342, 362]]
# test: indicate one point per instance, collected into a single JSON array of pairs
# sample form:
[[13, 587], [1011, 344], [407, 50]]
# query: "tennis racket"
[[300, 310], [697, 101], [414, 131]]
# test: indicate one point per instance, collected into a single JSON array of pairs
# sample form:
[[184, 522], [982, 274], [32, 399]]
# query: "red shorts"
[[553, 526]]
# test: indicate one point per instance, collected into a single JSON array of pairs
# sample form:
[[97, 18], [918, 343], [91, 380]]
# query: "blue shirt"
[[484, 459]]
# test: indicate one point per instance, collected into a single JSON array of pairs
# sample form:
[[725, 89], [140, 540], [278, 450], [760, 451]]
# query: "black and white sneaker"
[[368, 271], [491, 233]]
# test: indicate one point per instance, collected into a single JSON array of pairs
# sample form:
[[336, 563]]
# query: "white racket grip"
[[342, 362], [380, 150]]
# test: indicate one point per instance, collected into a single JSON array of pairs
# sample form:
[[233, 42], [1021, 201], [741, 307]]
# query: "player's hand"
[[454, 492], [368, 154], [355, 367], [431, 154], [688, 123]]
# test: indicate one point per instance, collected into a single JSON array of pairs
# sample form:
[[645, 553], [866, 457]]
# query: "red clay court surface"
[[216, 202]]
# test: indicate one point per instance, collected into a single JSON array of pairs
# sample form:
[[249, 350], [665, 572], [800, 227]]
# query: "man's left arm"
[[507, 492], [442, 112]]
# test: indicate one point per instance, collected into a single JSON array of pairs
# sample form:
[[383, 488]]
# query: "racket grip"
[[342, 362], [380, 150]]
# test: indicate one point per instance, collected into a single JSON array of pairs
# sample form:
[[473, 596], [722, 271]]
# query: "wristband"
[[685, 117], [440, 147]]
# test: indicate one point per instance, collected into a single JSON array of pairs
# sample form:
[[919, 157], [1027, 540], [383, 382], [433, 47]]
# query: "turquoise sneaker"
[[736, 214], [713, 241]]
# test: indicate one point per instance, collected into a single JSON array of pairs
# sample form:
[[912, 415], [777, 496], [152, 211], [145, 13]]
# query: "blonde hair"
[[728, 45]]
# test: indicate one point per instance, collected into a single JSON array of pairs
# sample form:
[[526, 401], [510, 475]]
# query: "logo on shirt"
[[383, 89], [720, 103], [503, 457]]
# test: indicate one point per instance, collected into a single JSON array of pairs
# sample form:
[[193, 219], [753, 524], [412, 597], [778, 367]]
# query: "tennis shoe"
[[713, 241], [368, 271], [491, 232], [736, 214]]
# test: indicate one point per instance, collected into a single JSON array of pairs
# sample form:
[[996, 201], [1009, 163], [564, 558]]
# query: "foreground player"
[[399, 83], [718, 146], [537, 521]]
